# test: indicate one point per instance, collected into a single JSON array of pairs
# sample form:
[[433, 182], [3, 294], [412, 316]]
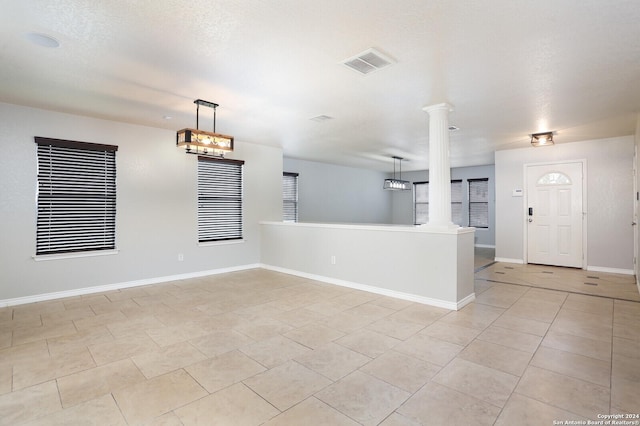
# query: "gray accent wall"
[[156, 217], [329, 193]]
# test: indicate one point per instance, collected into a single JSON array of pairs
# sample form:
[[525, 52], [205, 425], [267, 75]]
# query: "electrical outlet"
[[180, 257]]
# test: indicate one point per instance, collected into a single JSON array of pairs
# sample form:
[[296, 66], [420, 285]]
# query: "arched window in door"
[[554, 178]]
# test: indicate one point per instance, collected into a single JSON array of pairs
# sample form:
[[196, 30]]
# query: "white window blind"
[[456, 202], [479, 203], [289, 197], [421, 202], [219, 199], [76, 196]]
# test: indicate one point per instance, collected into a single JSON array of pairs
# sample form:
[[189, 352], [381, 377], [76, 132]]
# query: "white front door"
[[554, 214]]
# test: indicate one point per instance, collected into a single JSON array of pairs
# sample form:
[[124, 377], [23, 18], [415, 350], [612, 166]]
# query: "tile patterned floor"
[[258, 347]]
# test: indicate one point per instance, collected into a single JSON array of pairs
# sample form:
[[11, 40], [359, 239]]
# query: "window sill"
[[45, 257], [220, 243]]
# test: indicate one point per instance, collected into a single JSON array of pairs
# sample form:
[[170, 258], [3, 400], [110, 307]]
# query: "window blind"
[[456, 202], [421, 202], [289, 197], [479, 203], [219, 199], [76, 196]]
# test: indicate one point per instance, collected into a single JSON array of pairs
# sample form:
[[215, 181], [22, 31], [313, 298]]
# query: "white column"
[[439, 167]]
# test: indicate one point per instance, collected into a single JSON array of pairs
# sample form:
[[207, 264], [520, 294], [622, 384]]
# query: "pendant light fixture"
[[196, 141], [396, 184]]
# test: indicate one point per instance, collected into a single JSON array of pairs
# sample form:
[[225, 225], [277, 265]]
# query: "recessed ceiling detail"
[[368, 61]]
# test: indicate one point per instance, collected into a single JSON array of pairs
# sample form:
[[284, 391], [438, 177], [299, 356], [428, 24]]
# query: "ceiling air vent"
[[368, 61]]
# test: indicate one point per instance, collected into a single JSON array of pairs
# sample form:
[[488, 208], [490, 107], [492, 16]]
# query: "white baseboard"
[[119, 286], [507, 260], [610, 270], [454, 306], [485, 246], [464, 302], [157, 280]]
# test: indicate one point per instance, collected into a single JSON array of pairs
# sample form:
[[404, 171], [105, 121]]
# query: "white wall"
[[402, 201], [609, 198], [329, 193], [156, 205]]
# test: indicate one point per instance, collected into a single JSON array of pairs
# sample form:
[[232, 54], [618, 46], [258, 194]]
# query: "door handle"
[[633, 223]]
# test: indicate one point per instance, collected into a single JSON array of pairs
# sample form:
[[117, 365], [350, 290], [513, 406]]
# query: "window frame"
[[290, 201], [219, 197], [460, 203], [472, 203], [76, 199], [416, 202]]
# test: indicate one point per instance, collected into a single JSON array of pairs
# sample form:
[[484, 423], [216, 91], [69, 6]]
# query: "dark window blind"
[[219, 199], [479, 203], [421, 202], [290, 197], [76, 196]]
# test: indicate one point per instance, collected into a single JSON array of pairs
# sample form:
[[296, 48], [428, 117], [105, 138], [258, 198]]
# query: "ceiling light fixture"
[[542, 139], [196, 141], [396, 184]]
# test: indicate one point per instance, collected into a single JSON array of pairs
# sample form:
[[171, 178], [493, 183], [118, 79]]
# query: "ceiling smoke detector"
[[368, 61]]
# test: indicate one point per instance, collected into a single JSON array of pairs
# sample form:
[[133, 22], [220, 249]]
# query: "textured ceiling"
[[509, 68]]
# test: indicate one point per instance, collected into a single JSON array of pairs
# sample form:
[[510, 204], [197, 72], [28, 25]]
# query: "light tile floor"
[[259, 347], [618, 286]]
